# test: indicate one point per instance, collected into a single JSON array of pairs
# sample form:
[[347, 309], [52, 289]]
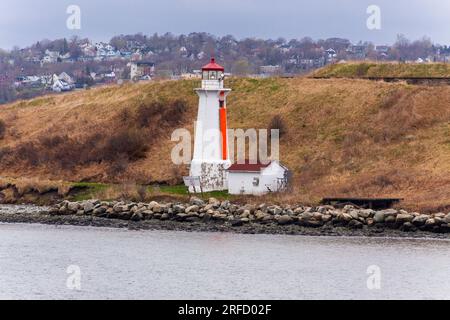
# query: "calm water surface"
[[121, 264]]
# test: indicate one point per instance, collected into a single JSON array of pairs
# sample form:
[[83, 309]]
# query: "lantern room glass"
[[212, 75]]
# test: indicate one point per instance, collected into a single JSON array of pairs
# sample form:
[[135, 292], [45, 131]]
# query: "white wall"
[[267, 177]]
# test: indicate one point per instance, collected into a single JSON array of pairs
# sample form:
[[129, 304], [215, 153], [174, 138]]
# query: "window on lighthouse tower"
[[212, 75]]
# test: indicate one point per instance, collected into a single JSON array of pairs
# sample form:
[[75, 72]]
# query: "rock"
[[73, 206], [366, 213], [194, 208], [214, 202], [348, 208], [370, 222], [408, 226], [390, 219], [245, 214], [268, 218], [180, 216], [284, 220], [225, 204], [326, 217], [344, 217], [404, 217], [88, 207], [137, 216], [196, 201], [165, 216], [158, 208], [275, 210], [390, 212], [99, 211], [355, 224], [237, 223], [152, 204], [420, 220], [317, 216], [178, 208], [430, 222], [379, 217], [354, 214], [305, 216], [447, 218], [219, 216]]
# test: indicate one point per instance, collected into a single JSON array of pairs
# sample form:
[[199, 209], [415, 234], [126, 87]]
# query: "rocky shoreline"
[[223, 216]]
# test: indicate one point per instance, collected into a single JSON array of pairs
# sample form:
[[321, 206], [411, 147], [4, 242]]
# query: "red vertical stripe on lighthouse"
[[223, 131]]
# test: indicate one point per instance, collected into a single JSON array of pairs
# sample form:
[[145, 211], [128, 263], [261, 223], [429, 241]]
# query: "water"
[[121, 264]]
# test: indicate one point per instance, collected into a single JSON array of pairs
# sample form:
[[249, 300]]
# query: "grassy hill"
[[344, 137], [383, 70]]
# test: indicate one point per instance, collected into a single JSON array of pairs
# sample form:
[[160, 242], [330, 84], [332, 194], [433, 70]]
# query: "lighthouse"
[[211, 154]]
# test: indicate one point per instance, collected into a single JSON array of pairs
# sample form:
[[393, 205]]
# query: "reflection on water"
[[176, 265]]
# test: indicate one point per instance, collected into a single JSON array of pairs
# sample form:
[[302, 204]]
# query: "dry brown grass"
[[345, 137]]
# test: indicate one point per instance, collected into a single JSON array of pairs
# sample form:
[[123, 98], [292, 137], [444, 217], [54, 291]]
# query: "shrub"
[[158, 115], [128, 143], [277, 122]]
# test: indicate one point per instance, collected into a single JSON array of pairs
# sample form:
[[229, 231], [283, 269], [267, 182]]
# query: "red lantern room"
[[213, 71]]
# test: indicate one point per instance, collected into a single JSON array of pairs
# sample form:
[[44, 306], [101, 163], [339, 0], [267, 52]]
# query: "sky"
[[23, 22]]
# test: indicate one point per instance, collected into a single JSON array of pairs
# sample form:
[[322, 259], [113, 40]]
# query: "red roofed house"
[[257, 179]]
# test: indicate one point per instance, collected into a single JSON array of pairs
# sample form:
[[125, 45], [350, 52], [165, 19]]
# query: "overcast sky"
[[23, 22]]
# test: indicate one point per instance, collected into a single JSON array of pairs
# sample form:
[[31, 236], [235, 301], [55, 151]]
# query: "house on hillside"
[[142, 70], [59, 85], [64, 76], [270, 70], [258, 178]]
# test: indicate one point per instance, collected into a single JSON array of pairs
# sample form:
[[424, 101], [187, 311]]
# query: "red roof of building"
[[213, 66], [248, 167]]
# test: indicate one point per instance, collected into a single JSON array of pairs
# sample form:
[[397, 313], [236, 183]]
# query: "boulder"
[[354, 224], [404, 217], [366, 213], [196, 201], [178, 208], [430, 222], [165, 216], [317, 216], [284, 220], [420, 220], [447, 218], [354, 214], [73, 206], [275, 210], [344, 217], [137, 216], [88, 207], [390, 212], [214, 201], [193, 208], [408, 226], [305, 216], [379, 217]]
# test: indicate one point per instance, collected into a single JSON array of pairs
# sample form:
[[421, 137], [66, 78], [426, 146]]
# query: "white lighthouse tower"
[[211, 154]]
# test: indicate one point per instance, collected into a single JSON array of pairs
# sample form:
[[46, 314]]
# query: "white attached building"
[[257, 179]]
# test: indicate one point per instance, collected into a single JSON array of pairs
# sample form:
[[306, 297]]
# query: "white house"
[[257, 179], [60, 85]]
